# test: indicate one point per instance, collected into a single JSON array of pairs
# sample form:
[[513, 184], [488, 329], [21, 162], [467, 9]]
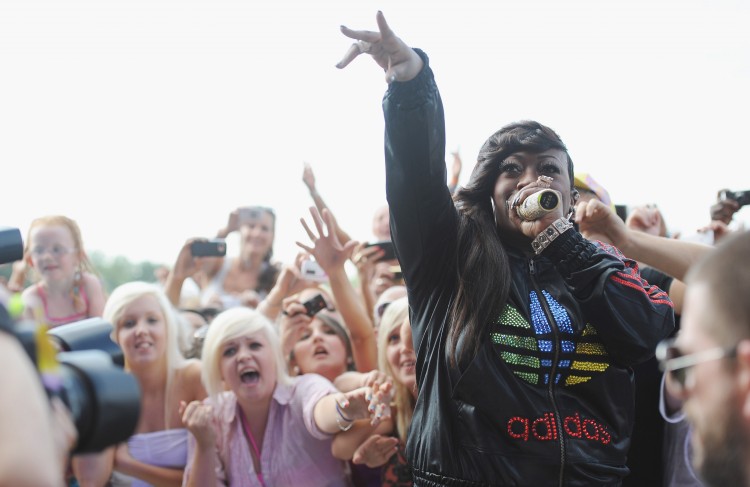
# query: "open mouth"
[[320, 352], [409, 365], [250, 377], [143, 345]]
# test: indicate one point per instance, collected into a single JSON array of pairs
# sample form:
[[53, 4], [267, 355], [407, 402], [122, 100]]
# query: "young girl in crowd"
[[260, 427], [67, 290], [146, 328]]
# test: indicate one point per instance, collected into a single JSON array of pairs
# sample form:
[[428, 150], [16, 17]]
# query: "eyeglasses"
[[55, 250], [673, 362]]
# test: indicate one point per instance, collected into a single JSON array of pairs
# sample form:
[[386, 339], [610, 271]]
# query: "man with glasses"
[[708, 364]]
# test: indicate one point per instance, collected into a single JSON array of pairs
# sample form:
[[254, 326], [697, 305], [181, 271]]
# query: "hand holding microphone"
[[539, 203]]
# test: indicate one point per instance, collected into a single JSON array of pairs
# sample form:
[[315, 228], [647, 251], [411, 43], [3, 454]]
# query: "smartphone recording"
[[208, 248], [314, 305], [387, 247]]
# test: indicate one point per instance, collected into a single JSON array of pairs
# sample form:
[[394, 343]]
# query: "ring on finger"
[[364, 47], [546, 181]]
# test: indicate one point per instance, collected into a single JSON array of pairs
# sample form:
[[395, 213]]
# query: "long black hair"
[[482, 263]]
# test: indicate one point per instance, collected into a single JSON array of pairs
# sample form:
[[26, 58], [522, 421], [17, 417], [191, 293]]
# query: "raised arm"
[[399, 61], [332, 255], [308, 177], [289, 283], [211, 266], [185, 266], [421, 207], [674, 257], [456, 166]]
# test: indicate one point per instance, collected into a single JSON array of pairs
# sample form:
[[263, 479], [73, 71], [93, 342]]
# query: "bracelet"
[[341, 413], [340, 416], [342, 427], [557, 228]]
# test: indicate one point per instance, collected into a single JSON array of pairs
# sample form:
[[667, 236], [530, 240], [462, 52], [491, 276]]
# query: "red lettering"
[[590, 424], [550, 427], [524, 422], [545, 428], [605, 436], [574, 421]]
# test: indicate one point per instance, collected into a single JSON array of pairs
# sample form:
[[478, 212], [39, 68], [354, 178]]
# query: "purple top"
[[294, 452]]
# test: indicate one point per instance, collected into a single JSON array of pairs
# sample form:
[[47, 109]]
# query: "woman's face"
[[248, 366], [142, 332], [401, 356], [256, 233], [53, 252], [320, 350], [523, 168], [381, 222]]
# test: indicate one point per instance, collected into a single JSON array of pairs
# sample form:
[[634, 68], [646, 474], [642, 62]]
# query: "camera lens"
[[103, 399]]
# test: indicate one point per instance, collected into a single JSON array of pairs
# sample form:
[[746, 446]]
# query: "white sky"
[[148, 121]]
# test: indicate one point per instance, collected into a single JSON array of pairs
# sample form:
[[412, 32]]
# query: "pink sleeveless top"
[[53, 321]]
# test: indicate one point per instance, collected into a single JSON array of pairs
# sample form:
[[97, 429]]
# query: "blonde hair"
[[228, 325], [127, 293], [393, 318], [84, 264]]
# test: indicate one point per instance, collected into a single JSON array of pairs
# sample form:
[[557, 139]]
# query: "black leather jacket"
[[548, 400]]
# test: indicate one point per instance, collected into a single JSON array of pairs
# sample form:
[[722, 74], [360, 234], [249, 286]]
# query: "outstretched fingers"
[[383, 27], [364, 40]]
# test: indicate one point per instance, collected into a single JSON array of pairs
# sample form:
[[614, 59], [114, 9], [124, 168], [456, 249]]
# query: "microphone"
[[539, 204]]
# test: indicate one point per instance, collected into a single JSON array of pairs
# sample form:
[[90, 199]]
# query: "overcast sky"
[[148, 121]]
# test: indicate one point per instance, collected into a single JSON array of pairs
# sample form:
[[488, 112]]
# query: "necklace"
[[253, 444]]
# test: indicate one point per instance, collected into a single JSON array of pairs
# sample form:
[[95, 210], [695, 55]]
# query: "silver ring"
[[364, 47]]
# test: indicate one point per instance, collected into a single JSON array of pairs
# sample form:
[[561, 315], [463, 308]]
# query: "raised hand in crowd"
[[308, 177], [398, 60], [289, 283], [647, 219], [455, 172], [332, 255], [597, 221], [186, 267]]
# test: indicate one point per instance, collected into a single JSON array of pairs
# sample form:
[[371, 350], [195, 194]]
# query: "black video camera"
[[102, 398]]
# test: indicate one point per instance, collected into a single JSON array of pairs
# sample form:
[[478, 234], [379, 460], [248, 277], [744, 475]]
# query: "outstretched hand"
[[375, 451], [399, 61], [596, 221], [326, 248]]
